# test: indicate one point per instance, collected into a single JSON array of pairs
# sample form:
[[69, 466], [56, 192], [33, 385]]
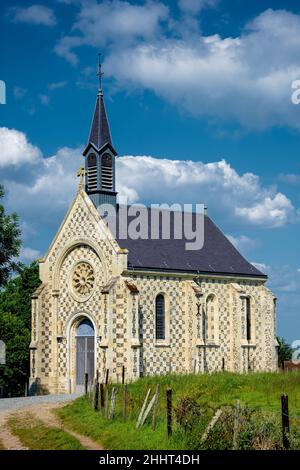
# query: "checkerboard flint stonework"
[[121, 306]]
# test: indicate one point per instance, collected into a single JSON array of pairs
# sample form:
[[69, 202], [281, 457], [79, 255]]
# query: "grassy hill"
[[195, 401]]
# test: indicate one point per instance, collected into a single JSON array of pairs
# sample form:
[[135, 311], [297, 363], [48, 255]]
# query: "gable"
[[82, 226]]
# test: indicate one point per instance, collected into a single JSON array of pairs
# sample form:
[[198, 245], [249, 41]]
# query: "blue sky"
[[197, 91]]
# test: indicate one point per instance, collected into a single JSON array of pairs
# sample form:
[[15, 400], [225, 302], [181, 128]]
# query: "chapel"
[[121, 305]]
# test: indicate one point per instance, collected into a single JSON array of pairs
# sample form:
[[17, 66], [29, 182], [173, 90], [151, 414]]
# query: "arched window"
[[85, 351], [107, 172], [210, 318], [248, 319], [92, 172], [160, 327], [85, 328]]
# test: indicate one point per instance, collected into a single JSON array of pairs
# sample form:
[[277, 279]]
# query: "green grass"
[[259, 390], [37, 436]]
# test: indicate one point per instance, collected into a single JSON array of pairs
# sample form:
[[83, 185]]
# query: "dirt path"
[[44, 413]]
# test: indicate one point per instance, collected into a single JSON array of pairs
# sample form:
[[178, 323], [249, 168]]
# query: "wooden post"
[[102, 400], [26, 389], [106, 402], [86, 382], [169, 411], [112, 402], [236, 425], [285, 421], [106, 376], [147, 411], [123, 375], [155, 408], [143, 409], [124, 402], [211, 425], [96, 397], [223, 364]]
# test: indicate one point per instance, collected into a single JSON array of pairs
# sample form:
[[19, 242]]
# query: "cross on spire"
[[100, 73]]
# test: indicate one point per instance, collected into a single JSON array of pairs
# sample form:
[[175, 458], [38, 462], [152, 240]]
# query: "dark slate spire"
[[100, 132], [100, 155]]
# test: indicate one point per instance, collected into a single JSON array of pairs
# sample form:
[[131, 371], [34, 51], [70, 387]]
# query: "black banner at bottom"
[[137, 459]]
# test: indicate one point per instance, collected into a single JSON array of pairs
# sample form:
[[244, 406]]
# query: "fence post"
[[155, 408], [211, 425], [285, 420], [96, 397], [143, 409], [169, 411], [112, 402], [106, 377], [123, 375], [106, 402], [124, 402], [236, 425], [86, 382], [223, 364], [102, 398]]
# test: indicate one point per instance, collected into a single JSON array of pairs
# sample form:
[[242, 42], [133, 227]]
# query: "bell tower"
[[100, 155]]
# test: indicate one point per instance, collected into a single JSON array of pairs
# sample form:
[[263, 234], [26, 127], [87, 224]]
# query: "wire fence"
[[238, 419]]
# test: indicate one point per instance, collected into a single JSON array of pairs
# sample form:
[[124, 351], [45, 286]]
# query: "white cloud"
[[272, 210], [35, 14], [242, 79], [15, 149], [261, 267], [29, 254], [243, 243], [243, 196], [38, 195], [112, 21]]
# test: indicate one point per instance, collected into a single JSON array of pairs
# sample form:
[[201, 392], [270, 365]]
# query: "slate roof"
[[217, 256], [100, 132]]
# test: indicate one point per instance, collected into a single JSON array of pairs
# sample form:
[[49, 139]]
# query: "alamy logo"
[[2, 92], [296, 94], [296, 352]]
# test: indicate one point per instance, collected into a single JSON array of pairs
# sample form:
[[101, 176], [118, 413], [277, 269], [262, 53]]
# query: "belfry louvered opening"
[[107, 172], [92, 172]]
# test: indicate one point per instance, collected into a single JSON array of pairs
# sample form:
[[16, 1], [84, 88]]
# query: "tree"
[[15, 298], [15, 326], [17, 339], [10, 242], [285, 351]]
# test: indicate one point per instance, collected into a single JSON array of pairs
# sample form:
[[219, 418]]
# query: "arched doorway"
[[85, 352]]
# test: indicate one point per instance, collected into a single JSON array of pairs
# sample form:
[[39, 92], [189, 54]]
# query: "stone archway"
[[85, 352], [82, 350]]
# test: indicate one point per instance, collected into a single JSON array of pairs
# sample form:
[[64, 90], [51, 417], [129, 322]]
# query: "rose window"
[[83, 279]]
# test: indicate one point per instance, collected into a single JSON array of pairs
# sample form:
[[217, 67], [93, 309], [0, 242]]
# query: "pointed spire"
[[100, 132]]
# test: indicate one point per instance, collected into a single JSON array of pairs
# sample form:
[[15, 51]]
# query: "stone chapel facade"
[[148, 305]]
